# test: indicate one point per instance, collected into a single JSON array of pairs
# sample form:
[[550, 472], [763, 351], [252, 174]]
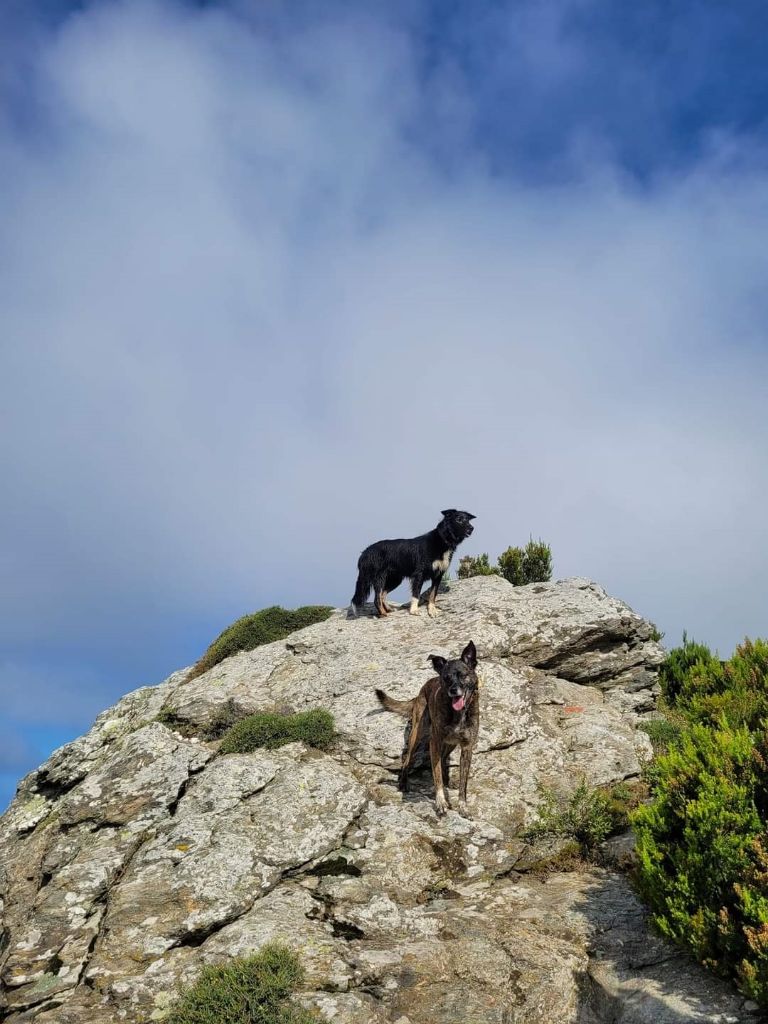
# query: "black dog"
[[385, 564]]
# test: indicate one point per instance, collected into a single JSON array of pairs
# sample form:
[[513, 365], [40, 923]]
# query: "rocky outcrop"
[[136, 854]]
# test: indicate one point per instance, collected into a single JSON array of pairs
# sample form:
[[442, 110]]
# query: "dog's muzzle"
[[458, 700]]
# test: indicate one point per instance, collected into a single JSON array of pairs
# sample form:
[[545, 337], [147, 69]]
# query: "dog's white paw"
[[432, 611], [414, 610], [442, 804], [464, 809]]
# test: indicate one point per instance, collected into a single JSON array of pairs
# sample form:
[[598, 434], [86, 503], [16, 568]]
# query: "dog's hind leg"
[[419, 726], [361, 593], [432, 611]]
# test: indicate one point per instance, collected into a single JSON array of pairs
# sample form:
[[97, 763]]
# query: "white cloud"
[[251, 326]]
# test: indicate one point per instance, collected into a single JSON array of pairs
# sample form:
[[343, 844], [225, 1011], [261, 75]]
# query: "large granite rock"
[[135, 855]]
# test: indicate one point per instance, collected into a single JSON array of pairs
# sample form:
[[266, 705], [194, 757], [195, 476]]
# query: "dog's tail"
[[400, 707], [361, 593]]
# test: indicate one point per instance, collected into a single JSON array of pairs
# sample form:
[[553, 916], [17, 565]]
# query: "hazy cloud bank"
[[267, 297]]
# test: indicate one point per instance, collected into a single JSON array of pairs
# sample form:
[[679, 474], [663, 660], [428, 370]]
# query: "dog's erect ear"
[[469, 655], [448, 512], [469, 515], [438, 663]]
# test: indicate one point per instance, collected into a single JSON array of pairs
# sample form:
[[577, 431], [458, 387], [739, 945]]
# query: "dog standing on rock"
[[445, 714], [385, 564]]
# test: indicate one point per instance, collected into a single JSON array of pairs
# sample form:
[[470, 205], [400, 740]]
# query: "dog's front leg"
[[464, 766], [446, 768], [416, 584], [442, 802]]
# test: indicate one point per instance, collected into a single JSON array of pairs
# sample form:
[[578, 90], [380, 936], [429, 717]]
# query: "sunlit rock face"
[[137, 854]]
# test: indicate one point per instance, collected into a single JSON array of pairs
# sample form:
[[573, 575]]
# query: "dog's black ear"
[[469, 655], [448, 512], [469, 515], [438, 663]]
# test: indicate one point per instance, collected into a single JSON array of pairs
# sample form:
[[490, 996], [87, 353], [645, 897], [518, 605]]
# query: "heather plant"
[[475, 565], [673, 674], [703, 859], [245, 990], [711, 691], [662, 732], [512, 567], [537, 561], [587, 816], [531, 564], [702, 855]]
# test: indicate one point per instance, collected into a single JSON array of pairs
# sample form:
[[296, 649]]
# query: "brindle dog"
[[446, 714]]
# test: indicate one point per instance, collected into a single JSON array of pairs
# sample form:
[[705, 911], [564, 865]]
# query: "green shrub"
[[531, 564], [262, 627], [511, 566], [662, 732], [674, 672], [166, 716], [703, 864], [475, 565], [621, 800], [714, 692], [271, 729], [252, 990], [587, 817]]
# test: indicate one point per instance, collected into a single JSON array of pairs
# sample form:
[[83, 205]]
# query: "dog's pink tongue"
[[458, 704]]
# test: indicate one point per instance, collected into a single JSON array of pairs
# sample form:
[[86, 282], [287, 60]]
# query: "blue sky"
[[280, 279]]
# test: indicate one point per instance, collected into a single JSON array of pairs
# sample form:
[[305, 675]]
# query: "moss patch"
[[270, 730], [262, 627]]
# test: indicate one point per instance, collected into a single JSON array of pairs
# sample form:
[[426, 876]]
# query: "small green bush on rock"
[[271, 729], [511, 566], [587, 817], [253, 631], [531, 564], [252, 990], [475, 565]]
